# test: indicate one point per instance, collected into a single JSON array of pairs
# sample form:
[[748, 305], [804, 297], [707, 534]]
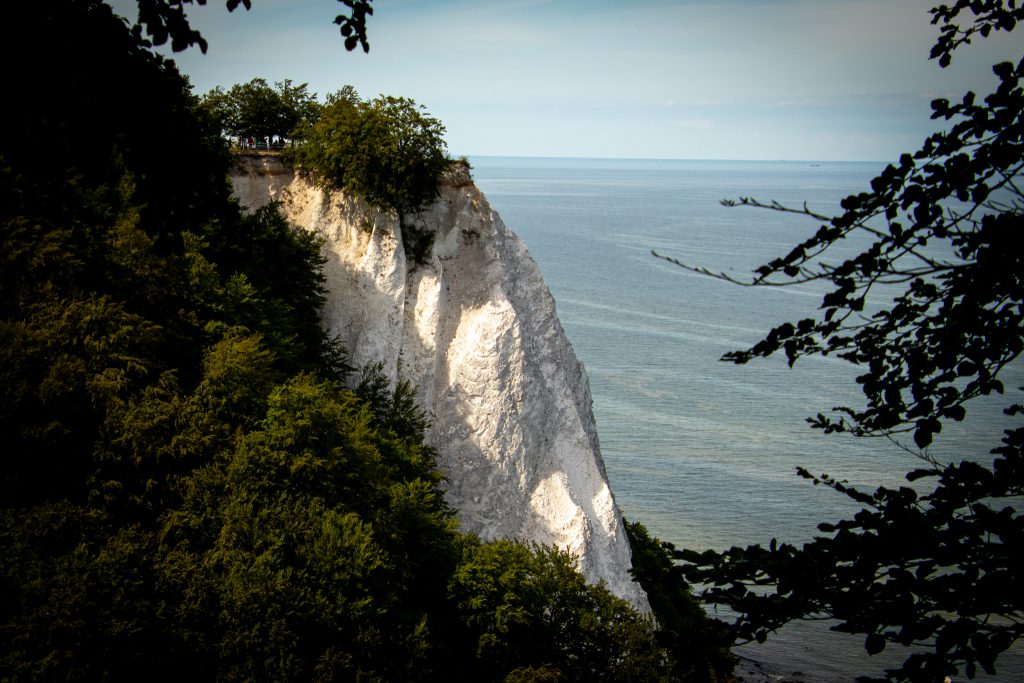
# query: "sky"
[[683, 79]]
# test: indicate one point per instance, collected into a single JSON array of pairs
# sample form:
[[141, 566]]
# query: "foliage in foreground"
[[163, 20], [699, 646], [188, 490], [527, 609], [936, 570]]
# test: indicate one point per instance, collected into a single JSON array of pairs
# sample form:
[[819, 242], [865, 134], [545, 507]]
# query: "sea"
[[704, 452]]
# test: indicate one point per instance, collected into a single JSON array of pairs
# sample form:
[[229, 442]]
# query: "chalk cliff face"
[[474, 328]]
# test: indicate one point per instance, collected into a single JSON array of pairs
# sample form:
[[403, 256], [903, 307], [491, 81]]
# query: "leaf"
[[925, 430], [955, 412], [874, 643], [914, 475]]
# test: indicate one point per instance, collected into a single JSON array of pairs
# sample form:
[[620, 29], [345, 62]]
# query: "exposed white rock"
[[475, 330]]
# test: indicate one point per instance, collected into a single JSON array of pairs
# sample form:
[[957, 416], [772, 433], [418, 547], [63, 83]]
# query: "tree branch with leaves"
[[163, 20], [930, 570]]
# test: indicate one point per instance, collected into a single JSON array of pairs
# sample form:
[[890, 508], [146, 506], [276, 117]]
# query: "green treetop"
[[257, 110], [388, 151]]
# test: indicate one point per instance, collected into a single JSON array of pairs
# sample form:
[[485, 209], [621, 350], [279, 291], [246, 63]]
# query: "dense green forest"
[[189, 490]]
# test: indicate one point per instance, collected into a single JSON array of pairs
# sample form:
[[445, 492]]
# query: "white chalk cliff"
[[474, 328]]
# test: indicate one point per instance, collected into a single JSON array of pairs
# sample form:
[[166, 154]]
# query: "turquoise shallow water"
[[704, 452]]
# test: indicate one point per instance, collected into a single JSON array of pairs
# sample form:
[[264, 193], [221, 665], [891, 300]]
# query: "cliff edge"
[[474, 328]]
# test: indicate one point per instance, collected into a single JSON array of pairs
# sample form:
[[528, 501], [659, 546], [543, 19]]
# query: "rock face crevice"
[[474, 328]]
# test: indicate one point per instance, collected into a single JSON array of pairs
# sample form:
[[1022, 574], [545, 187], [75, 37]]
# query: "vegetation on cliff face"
[[188, 490], [936, 569], [387, 151]]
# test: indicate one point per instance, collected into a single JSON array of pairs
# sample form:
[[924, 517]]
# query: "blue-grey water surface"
[[701, 451]]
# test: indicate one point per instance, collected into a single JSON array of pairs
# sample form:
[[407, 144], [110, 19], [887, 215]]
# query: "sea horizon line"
[[555, 157]]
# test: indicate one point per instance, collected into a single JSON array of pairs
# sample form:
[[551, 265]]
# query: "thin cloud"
[[693, 124]]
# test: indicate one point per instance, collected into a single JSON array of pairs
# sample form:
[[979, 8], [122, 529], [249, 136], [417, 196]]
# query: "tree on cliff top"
[[255, 109], [935, 571], [388, 151]]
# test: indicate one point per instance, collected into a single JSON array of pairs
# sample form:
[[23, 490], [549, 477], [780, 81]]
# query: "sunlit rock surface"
[[474, 328]]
